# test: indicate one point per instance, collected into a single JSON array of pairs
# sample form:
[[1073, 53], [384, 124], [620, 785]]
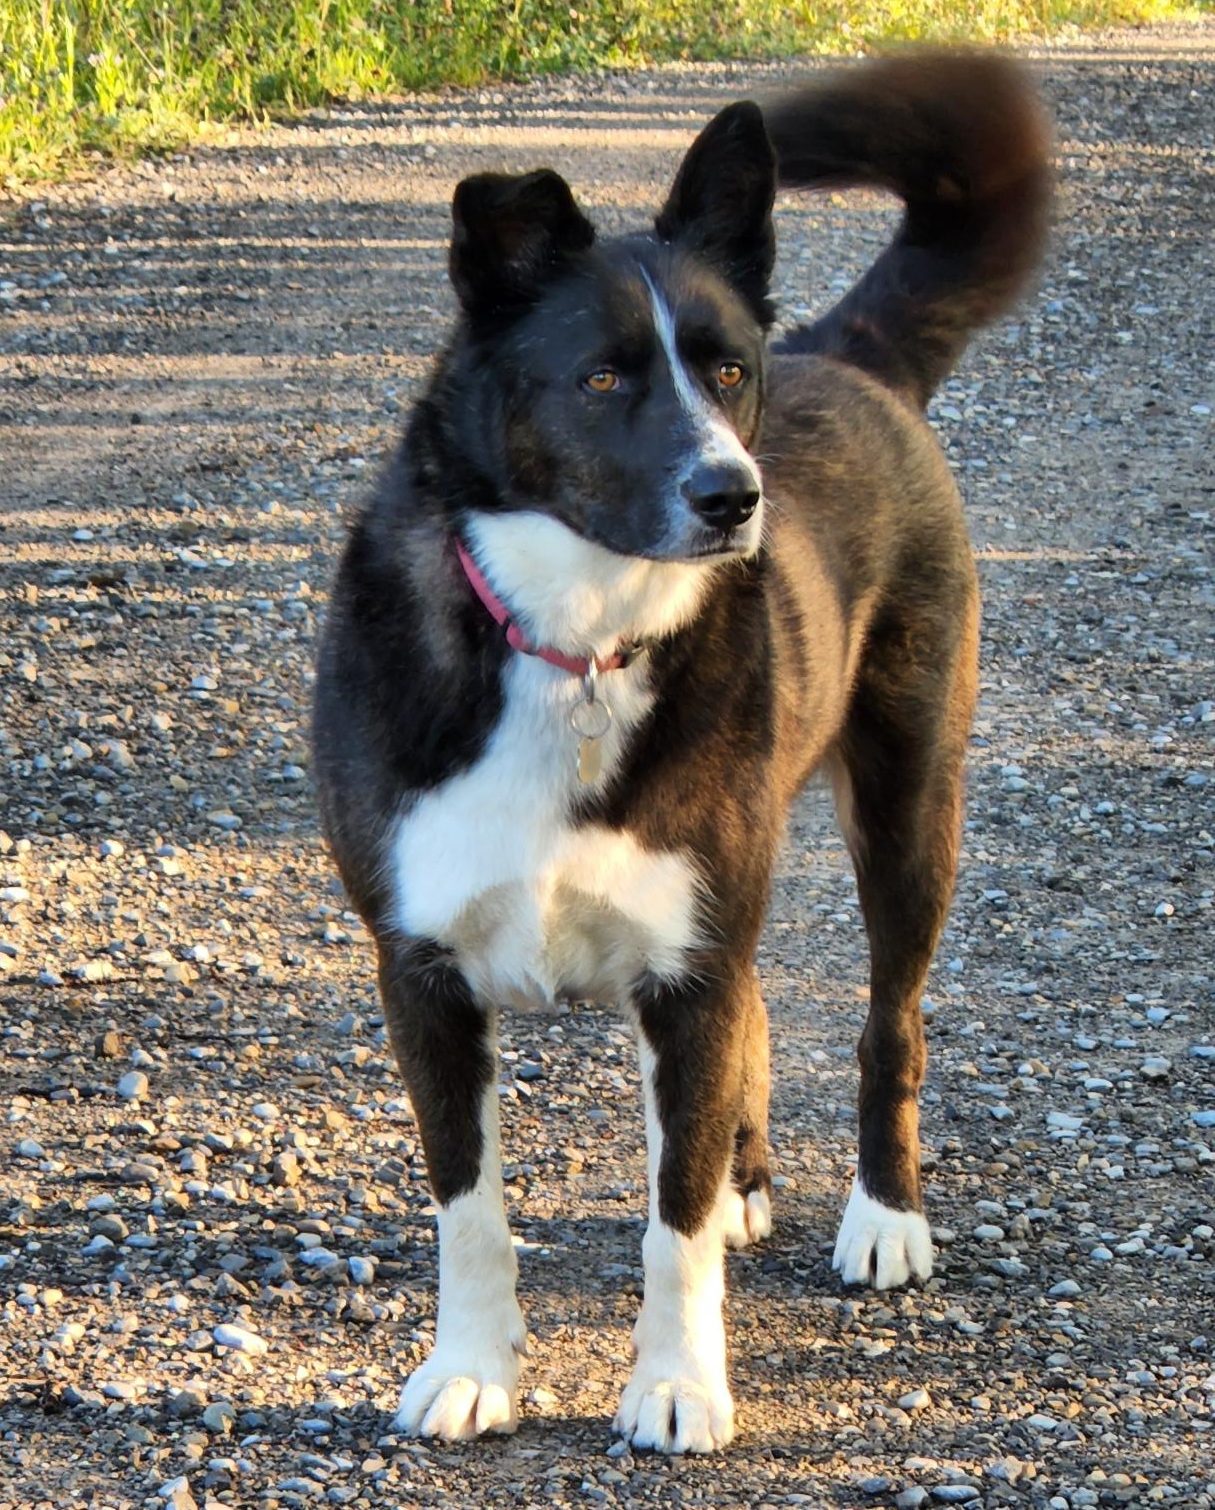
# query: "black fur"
[[848, 643]]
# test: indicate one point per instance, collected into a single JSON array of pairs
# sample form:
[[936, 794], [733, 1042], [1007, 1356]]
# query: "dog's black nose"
[[724, 496]]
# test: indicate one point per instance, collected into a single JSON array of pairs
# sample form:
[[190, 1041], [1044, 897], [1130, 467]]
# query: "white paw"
[[746, 1221], [879, 1246], [461, 1393], [675, 1414]]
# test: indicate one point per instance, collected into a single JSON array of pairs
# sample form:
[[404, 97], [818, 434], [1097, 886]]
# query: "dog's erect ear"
[[721, 201], [510, 232]]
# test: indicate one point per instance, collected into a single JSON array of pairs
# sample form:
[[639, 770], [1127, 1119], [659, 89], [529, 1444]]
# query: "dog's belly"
[[534, 906]]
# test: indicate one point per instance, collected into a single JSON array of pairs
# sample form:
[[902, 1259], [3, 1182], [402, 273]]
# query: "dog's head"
[[617, 386]]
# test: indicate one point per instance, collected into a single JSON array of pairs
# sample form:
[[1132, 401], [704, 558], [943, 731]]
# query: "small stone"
[[911, 1499], [1155, 1067], [916, 1399], [286, 1169], [29, 1148], [186, 1404], [955, 1494], [988, 1232], [219, 1417], [875, 1485], [1204, 1119], [133, 1086], [1064, 1290], [176, 1494], [362, 1270], [240, 1339]]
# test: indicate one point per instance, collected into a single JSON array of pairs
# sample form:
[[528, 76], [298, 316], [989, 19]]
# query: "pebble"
[[239, 1338], [362, 1270], [916, 1399], [176, 1493], [955, 1494], [133, 1086], [186, 1405], [912, 1498], [219, 1417], [1065, 1289]]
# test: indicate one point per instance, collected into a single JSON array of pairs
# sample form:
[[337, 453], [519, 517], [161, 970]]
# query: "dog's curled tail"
[[963, 140]]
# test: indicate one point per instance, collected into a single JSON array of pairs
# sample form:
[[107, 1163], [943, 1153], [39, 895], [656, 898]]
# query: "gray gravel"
[[216, 1252]]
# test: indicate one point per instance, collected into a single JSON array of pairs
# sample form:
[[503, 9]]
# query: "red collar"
[[577, 665]]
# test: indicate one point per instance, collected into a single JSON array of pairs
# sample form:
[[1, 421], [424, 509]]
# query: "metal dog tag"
[[590, 719]]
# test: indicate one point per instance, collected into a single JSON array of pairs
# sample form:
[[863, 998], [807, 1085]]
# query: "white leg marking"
[[879, 1246], [747, 1221], [469, 1383], [678, 1399]]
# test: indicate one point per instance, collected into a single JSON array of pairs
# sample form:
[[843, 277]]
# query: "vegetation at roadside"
[[79, 77]]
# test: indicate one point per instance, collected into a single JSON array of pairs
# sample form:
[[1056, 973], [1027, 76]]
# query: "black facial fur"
[[605, 464]]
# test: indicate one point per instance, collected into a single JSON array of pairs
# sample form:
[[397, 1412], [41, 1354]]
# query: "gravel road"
[[216, 1250]]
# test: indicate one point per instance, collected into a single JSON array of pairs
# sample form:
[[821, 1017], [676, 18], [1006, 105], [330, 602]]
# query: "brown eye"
[[730, 375], [602, 380]]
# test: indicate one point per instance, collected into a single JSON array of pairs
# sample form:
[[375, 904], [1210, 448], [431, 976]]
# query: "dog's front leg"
[[444, 1042], [678, 1399]]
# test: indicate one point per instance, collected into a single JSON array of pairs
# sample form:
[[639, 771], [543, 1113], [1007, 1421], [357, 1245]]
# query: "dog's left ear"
[[511, 232], [721, 201]]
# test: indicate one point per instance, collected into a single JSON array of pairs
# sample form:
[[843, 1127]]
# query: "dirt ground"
[[202, 362]]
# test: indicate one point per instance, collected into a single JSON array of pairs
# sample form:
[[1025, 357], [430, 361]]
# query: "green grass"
[[86, 77]]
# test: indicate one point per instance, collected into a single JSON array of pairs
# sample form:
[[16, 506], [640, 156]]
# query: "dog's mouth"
[[715, 545]]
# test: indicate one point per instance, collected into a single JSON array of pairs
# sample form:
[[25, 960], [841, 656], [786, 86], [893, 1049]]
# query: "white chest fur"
[[534, 907], [490, 863]]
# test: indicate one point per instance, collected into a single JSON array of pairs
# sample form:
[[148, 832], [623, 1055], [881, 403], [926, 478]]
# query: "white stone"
[[240, 1339], [133, 1086]]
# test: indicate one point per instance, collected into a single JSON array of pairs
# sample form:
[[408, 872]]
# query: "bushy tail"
[[963, 140]]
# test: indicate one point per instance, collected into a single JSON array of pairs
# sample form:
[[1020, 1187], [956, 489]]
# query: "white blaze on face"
[[716, 440]]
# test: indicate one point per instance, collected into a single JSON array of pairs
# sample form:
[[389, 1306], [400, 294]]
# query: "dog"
[[633, 576]]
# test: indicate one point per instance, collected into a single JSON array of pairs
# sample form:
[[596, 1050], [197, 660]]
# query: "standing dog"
[[583, 652]]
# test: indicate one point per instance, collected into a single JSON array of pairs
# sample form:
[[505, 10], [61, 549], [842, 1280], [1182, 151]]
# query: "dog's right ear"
[[510, 233]]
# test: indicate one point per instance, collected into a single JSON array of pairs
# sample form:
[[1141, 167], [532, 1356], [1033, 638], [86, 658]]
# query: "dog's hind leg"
[[898, 776], [748, 1213], [444, 1043]]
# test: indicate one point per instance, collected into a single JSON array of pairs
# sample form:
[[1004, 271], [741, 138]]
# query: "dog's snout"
[[723, 495]]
